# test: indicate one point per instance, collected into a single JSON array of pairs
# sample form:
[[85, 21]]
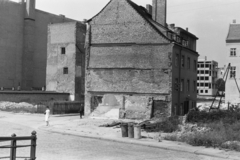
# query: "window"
[[206, 84], [206, 91], [206, 72], [201, 84], [195, 65], [207, 78], [201, 91], [194, 86], [210, 85], [63, 50], [198, 84], [198, 71], [201, 78], [188, 85], [232, 51], [188, 63], [65, 70], [202, 65], [176, 84], [182, 61], [202, 72], [197, 78], [176, 60], [182, 85], [232, 72]]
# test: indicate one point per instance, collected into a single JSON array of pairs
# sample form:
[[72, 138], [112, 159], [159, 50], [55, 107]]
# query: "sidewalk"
[[89, 128]]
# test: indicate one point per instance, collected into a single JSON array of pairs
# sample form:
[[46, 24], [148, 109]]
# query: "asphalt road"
[[55, 146]]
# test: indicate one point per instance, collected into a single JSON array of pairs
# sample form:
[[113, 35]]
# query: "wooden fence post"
[[33, 145], [13, 149]]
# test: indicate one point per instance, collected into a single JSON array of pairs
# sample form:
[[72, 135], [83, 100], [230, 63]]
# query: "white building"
[[206, 77], [233, 57]]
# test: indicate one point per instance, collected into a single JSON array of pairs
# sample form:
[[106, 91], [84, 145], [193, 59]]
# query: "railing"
[[13, 147]]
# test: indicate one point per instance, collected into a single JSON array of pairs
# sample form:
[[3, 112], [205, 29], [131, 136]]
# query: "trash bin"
[[124, 128], [137, 131], [130, 130]]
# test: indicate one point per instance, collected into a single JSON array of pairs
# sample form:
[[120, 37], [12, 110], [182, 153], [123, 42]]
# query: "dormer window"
[[232, 52]]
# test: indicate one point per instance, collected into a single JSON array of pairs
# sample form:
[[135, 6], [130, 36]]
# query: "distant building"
[[207, 75], [138, 64], [66, 59], [23, 44], [233, 57]]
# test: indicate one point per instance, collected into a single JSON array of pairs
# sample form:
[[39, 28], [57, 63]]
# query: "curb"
[[135, 142]]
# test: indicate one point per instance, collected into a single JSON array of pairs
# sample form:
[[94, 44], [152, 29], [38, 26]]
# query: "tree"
[[220, 84]]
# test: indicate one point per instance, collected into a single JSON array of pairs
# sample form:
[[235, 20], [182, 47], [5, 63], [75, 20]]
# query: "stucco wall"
[[43, 19], [232, 94], [11, 45], [66, 35], [11, 37]]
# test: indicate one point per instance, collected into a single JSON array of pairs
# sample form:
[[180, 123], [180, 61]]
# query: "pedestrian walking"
[[47, 114], [81, 111]]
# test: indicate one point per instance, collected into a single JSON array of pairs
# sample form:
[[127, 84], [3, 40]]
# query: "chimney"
[[234, 21], [30, 9], [159, 12], [172, 25], [187, 29], [149, 8]]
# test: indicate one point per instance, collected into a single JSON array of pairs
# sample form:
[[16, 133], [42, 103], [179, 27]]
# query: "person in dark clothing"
[[81, 111]]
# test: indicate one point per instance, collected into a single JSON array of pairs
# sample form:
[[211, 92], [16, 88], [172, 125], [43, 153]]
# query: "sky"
[[207, 19]]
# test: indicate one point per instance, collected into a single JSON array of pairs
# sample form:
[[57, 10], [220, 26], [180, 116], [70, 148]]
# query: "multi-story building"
[[232, 86], [23, 43], [207, 75], [138, 64], [66, 59]]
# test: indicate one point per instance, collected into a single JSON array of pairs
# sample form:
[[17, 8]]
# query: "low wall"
[[32, 96], [62, 108]]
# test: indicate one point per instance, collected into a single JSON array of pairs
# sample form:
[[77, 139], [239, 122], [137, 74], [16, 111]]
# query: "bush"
[[228, 117], [215, 134]]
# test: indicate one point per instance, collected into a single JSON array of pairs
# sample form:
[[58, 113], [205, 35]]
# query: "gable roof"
[[233, 33], [144, 14]]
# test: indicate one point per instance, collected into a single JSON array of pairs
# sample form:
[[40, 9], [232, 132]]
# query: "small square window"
[[206, 91], [65, 70], [63, 50]]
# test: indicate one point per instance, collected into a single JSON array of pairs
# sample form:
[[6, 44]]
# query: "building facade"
[[66, 59], [207, 75], [138, 63], [23, 44], [232, 94]]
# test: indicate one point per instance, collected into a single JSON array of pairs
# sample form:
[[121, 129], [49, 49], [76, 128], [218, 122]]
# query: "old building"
[[207, 77], [66, 59], [138, 64], [23, 44], [232, 94]]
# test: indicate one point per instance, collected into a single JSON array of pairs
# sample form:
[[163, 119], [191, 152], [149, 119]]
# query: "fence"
[[67, 107], [62, 107], [13, 147]]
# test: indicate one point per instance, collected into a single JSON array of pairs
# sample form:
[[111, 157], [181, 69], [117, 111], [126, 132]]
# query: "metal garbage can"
[[137, 132], [124, 128], [130, 130]]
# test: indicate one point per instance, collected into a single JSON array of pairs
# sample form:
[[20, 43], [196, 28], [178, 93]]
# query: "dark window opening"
[[63, 50], [65, 70]]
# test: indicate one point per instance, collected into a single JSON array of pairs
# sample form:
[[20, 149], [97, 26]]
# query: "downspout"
[[179, 80]]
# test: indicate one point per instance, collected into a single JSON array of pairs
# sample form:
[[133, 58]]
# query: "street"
[[57, 146]]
